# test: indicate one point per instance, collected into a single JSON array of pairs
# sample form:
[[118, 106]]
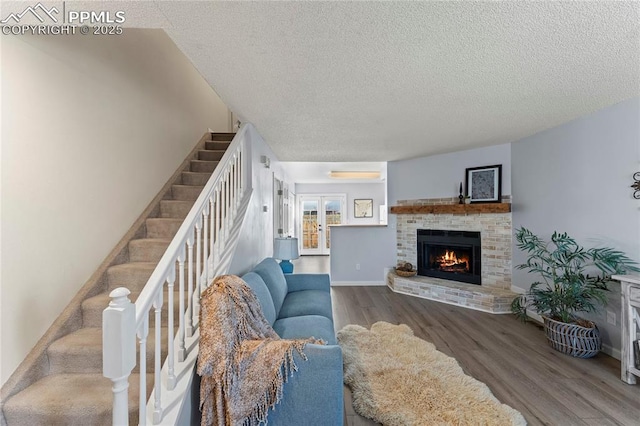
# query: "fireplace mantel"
[[453, 208]]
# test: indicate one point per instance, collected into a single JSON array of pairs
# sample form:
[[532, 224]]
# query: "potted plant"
[[574, 280]]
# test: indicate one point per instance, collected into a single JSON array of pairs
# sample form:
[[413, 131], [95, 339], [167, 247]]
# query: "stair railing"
[[193, 257]]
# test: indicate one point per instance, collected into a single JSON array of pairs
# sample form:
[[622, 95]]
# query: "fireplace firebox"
[[451, 255]]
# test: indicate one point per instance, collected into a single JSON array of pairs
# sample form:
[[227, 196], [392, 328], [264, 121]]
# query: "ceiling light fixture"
[[355, 175]]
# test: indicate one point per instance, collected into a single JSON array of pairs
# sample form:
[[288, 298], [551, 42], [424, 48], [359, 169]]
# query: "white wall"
[[575, 178], [256, 235], [375, 191], [92, 129]]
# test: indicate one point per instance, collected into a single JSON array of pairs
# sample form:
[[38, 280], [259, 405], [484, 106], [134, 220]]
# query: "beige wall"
[[92, 127]]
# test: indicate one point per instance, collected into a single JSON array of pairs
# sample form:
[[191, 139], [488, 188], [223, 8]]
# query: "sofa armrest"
[[313, 396], [299, 282]]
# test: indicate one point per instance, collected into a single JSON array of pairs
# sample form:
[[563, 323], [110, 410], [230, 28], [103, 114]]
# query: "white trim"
[[611, 351], [356, 283]]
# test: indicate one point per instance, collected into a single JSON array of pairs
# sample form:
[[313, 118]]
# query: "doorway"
[[318, 213]]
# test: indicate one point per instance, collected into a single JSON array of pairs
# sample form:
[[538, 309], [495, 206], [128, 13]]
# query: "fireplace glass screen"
[[451, 255], [450, 259]]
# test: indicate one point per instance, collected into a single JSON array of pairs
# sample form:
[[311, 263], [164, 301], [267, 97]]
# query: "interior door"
[[317, 213]]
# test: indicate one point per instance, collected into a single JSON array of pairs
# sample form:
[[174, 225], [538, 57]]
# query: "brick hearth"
[[493, 295], [487, 299]]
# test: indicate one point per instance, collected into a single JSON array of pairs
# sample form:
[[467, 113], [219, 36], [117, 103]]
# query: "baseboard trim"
[[357, 283]]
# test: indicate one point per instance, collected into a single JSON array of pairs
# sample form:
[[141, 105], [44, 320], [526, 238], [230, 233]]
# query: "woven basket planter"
[[405, 274], [573, 339]]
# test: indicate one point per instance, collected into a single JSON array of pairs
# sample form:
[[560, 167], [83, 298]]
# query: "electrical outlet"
[[611, 317], [357, 266]]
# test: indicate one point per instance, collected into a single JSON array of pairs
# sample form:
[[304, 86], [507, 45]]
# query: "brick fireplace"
[[493, 224]]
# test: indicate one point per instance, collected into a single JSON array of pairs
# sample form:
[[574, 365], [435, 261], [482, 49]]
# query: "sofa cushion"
[[307, 302], [261, 291], [273, 277], [306, 326]]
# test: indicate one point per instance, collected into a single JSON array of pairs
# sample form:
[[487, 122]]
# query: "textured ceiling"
[[378, 81]]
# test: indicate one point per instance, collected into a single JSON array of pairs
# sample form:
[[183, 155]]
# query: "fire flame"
[[450, 258], [450, 262]]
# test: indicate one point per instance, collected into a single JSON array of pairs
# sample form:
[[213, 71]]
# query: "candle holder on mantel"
[[461, 197]]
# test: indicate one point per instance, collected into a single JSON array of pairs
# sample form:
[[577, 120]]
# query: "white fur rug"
[[398, 379]]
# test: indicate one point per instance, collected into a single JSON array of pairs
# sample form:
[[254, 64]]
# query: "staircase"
[[73, 391]]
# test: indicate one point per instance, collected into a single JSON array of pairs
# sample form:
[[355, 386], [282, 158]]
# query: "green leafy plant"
[[574, 279]]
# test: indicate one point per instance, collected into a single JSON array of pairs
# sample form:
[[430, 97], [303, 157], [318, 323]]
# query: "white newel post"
[[119, 349]]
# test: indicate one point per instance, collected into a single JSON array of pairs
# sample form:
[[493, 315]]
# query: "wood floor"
[[512, 358]]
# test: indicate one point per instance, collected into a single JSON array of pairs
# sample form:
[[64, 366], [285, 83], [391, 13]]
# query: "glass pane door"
[[318, 213], [310, 225], [333, 216]]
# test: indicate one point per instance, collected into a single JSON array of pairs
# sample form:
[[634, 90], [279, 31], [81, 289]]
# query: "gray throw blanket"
[[243, 362]]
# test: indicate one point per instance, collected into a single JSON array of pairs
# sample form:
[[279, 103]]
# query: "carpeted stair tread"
[[195, 178], [81, 351], [211, 154], [70, 400], [222, 136], [203, 166], [147, 249], [216, 145], [186, 192], [132, 275], [162, 227], [176, 209], [77, 352], [93, 307]]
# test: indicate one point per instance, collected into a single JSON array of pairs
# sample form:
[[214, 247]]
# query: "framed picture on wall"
[[363, 207], [484, 184]]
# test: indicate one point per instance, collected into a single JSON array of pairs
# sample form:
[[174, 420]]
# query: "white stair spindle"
[[223, 214], [171, 376], [182, 352], [218, 222], [205, 248], [143, 332], [237, 180], [240, 155], [119, 350], [237, 171], [230, 199], [190, 288], [233, 186], [211, 237], [221, 224], [157, 386], [196, 298]]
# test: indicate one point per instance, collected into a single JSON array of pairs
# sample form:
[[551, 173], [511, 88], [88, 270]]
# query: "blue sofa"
[[299, 306]]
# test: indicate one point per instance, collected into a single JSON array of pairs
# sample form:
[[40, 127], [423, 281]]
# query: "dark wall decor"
[[636, 185], [484, 184]]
